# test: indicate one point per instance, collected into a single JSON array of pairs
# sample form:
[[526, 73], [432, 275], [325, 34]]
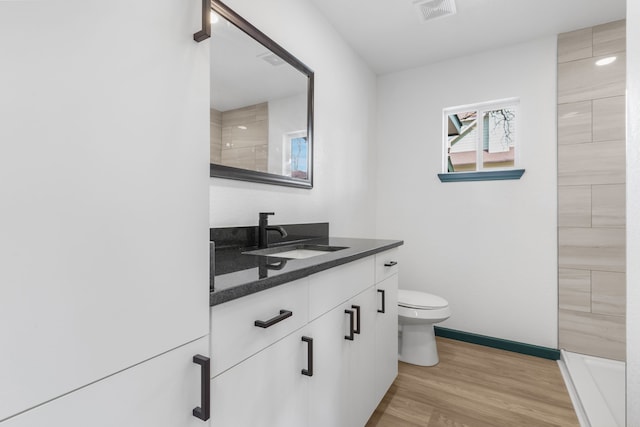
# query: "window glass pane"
[[299, 158], [462, 141], [498, 139]]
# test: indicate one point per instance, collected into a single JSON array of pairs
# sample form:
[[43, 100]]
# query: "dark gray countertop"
[[238, 274]]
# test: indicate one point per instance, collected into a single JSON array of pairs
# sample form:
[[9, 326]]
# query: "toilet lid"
[[420, 300]]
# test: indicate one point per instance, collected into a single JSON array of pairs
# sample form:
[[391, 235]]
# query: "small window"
[[296, 155], [481, 138]]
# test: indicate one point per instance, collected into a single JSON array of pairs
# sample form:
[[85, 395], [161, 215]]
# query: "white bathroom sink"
[[299, 253], [296, 251]]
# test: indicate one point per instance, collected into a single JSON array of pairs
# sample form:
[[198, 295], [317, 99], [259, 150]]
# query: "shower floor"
[[597, 388]]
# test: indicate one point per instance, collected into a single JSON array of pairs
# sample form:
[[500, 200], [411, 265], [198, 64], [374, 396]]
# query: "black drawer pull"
[[383, 298], [205, 32], [309, 371], [357, 309], [203, 411], [279, 318], [351, 327], [390, 263]]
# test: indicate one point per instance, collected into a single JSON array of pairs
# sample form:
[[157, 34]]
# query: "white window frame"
[[481, 108]]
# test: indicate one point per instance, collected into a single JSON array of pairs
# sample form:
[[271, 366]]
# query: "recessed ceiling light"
[[243, 127], [605, 61]]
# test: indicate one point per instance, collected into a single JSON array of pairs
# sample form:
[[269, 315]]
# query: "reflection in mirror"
[[260, 106]]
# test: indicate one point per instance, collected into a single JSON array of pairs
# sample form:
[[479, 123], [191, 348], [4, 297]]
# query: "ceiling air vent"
[[433, 9], [271, 58]]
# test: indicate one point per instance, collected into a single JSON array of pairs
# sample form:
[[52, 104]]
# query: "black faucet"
[[264, 227]]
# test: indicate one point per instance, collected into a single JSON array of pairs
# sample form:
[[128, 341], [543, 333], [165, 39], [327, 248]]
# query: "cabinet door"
[[341, 389], [360, 381], [104, 187], [266, 390], [386, 354], [161, 392], [328, 397]]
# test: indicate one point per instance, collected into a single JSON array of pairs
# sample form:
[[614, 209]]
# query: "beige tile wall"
[[591, 191], [215, 136], [243, 147]]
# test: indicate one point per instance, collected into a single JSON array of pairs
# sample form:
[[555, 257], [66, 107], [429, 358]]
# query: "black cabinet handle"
[[351, 328], [383, 300], [204, 410], [309, 371], [205, 32], [279, 318], [212, 265], [357, 309], [390, 263]]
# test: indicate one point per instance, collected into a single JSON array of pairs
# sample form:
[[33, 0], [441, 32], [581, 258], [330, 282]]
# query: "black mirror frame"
[[221, 171]]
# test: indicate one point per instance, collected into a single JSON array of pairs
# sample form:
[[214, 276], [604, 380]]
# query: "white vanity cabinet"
[[256, 370], [264, 384]]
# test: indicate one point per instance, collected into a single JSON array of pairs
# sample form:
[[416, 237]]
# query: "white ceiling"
[[389, 35], [239, 74]]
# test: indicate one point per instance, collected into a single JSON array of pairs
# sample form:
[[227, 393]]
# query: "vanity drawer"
[[332, 287], [386, 264], [234, 335]]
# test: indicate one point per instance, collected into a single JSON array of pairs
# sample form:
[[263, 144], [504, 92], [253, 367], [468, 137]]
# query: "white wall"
[[499, 270], [344, 190], [633, 207]]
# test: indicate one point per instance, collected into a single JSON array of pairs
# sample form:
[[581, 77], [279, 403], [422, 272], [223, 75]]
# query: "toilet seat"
[[420, 300]]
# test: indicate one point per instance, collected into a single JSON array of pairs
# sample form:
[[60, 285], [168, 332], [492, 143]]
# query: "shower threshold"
[[597, 388]]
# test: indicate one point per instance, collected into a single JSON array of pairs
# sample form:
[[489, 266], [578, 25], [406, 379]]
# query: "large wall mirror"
[[261, 106]]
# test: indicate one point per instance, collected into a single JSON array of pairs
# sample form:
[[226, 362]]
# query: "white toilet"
[[417, 313]]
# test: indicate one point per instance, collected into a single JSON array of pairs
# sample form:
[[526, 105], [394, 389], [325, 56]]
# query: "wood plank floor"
[[477, 386]]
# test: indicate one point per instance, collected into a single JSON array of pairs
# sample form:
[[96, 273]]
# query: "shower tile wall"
[[215, 123], [238, 137], [591, 191]]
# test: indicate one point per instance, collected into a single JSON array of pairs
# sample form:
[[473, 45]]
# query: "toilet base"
[[418, 345]]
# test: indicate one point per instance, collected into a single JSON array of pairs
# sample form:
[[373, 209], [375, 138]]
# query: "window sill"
[[481, 176]]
